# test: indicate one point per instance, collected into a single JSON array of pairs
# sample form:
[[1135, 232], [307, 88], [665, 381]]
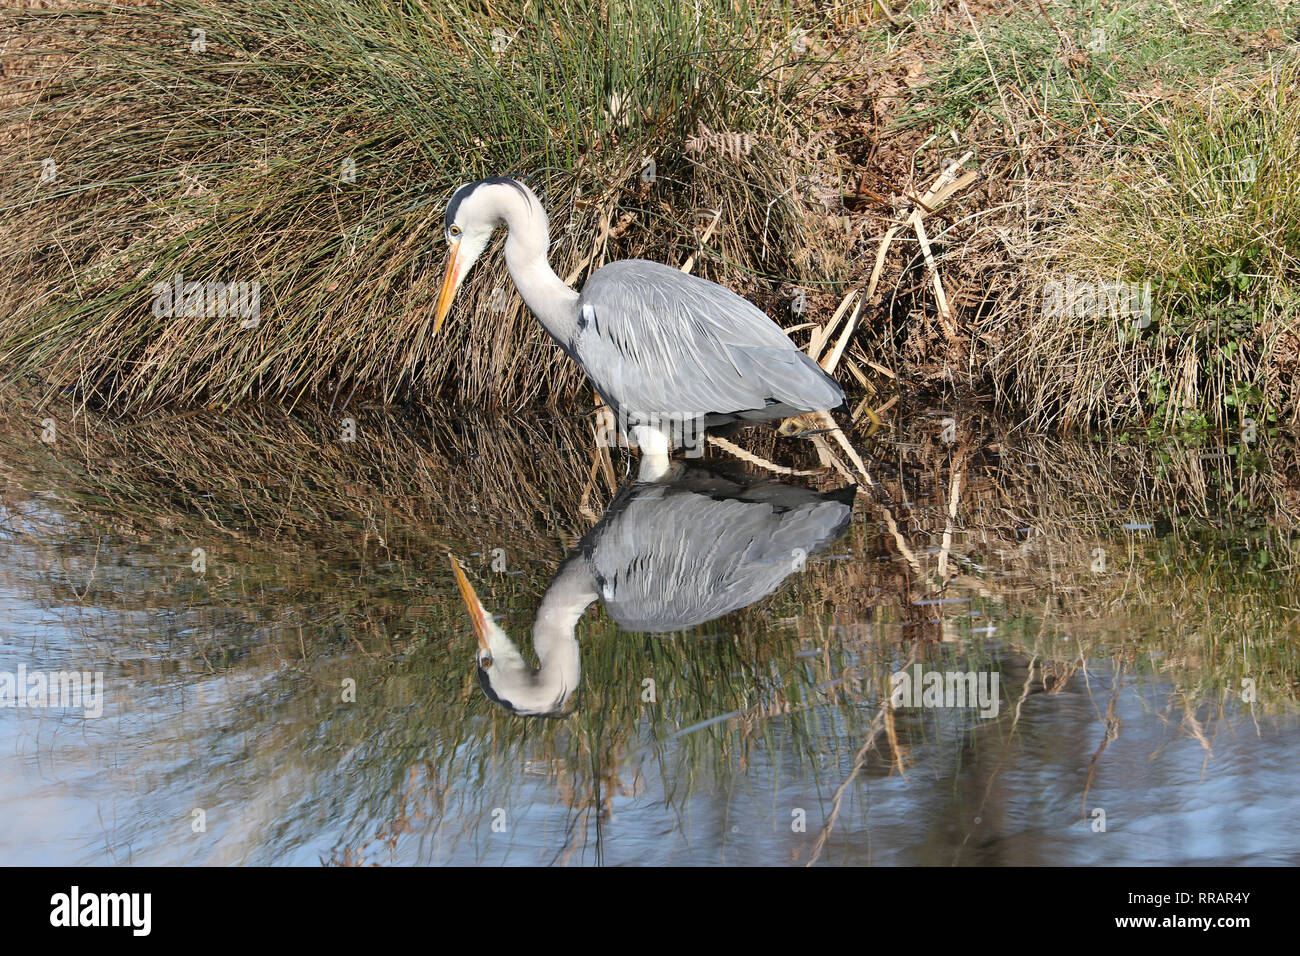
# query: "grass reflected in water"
[[313, 690]]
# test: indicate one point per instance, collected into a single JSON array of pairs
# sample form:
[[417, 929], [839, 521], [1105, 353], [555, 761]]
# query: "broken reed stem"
[[859, 761], [882, 720], [954, 492], [753, 459], [833, 360], [830, 459], [827, 421], [823, 334], [708, 234], [862, 406], [946, 318], [938, 193]]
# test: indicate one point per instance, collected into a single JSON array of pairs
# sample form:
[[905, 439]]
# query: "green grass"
[[1209, 217], [1112, 156], [1074, 72], [1151, 144]]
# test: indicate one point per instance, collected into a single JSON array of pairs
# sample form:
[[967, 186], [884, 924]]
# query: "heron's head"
[[503, 673], [473, 214]]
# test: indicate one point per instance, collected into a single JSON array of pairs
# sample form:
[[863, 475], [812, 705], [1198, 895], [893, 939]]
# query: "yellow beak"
[[477, 613], [450, 283]]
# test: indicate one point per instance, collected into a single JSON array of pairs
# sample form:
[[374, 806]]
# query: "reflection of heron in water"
[[665, 557]]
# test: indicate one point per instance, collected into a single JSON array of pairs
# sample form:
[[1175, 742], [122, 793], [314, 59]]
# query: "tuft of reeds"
[[309, 147]]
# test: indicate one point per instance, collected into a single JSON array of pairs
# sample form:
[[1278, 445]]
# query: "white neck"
[[554, 639], [546, 690], [553, 302]]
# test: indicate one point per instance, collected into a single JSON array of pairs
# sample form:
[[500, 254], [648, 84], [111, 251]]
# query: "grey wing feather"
[[656, 340], [672, 559]]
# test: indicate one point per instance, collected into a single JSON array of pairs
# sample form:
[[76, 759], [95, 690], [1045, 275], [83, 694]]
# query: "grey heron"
[[665, 556], [670, 353]]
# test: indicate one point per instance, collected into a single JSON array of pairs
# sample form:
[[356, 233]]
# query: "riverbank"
[[1118, 251]]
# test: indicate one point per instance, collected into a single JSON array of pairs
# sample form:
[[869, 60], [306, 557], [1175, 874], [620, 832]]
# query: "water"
[[290, 675]]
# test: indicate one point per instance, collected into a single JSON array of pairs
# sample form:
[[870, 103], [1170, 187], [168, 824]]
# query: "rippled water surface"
[[291, 673]]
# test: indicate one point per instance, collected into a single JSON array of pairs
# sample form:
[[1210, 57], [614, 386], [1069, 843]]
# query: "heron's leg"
[[654, 446]]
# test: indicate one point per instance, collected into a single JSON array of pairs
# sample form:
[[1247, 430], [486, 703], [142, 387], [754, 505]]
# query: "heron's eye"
[[454, 232], [485, 660]]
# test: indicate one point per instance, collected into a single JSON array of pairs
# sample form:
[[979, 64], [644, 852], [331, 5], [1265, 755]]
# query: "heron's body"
[[656, 341], [665, 557], [661, 347], [675, 555]]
